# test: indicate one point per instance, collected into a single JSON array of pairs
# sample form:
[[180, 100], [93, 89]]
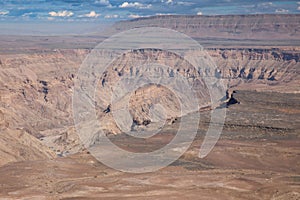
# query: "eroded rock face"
[[36, 95], [153, 64], [258, 65], [258, 151], [3, 122], [36, 87], [19, 145]]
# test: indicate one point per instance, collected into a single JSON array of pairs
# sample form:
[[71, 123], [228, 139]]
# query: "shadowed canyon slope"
[[256, 55]]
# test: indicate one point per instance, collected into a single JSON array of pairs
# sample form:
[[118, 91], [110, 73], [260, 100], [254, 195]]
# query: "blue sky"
[[112, 10]]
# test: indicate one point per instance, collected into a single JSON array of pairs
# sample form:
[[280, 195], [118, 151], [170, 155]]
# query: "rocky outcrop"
[[41, 84], [35, 96], [142, 100], [19, 145], [242, 46], [258, 65], [36, 87]]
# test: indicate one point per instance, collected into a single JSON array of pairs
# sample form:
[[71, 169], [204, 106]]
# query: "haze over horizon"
[[83, 15], [112, 10]]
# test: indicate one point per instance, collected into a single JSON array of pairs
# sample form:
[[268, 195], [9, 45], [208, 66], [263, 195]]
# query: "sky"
[[112, 10], [43, 16]]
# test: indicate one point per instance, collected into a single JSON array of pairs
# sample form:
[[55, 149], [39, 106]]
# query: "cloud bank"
[[79, 10], [63, 13], [135, 5]]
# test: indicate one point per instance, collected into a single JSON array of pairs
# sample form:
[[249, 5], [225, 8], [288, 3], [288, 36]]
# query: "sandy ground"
[[252, 160], [236, 169]]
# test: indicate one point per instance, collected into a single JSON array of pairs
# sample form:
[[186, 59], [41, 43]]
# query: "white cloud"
[[167, 1], [111, 16], [281, 10], [63, 13], [104, 3], [135, 5], [185, 3], [181, 3], [266, 4], [199, 13], [27, 14], [298, 8], [91, 14], [162, 14], [134, 16], [4, 12]]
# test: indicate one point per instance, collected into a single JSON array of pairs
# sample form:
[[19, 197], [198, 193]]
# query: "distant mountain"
[[262, 26]]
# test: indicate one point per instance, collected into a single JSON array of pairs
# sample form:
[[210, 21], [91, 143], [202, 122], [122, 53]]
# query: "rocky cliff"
[[36, 87], [256, 27], [273, 68]]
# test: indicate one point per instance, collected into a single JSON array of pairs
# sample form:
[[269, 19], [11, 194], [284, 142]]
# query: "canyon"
[[258, 56]]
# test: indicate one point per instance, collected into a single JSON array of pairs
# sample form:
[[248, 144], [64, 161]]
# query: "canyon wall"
[[36, 87], [255, 27]]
